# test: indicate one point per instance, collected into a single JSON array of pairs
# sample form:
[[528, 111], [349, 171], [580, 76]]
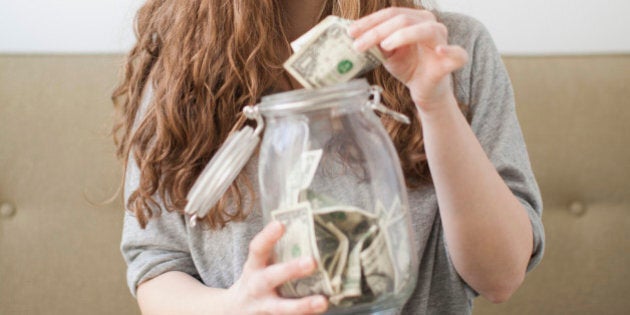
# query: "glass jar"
[[330, 173]]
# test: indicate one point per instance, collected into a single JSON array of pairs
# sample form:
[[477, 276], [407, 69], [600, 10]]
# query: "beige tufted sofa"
[[59, 248]]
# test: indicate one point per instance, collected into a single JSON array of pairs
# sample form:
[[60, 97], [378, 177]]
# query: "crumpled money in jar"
[[354, 250]]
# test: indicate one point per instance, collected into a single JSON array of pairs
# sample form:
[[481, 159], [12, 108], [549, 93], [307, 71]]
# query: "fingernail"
[[306, 262], [276, 226], [318, 304], [386, 44]]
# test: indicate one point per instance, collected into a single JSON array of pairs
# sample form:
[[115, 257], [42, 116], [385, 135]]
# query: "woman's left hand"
[[417, 51]]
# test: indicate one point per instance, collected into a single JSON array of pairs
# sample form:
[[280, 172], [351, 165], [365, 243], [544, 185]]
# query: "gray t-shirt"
[[216, 257]]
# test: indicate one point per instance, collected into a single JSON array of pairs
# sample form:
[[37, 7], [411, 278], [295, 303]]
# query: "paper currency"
[[377, 266], [352, 275], [351, 220], [299, 241], [327, 244], [338, 254], [290, 143], [399, 251], [394, 228], [324, 55], [302, 174], [380, 210], [357, 252]]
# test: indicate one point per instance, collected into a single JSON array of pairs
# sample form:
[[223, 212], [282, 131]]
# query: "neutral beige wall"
[[59, 254]]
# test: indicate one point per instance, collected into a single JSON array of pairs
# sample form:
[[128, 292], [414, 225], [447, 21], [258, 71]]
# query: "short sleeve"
[[494, 121], [160, 247]]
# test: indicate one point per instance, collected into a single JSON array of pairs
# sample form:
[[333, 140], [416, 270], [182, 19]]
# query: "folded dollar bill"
[[352, 249], [299, 240], [324, 55]]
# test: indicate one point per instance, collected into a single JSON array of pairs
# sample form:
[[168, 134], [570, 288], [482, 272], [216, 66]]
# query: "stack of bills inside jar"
[[324, 55], [356, 251]]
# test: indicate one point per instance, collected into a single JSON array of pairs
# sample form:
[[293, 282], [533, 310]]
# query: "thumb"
[[261, 246]]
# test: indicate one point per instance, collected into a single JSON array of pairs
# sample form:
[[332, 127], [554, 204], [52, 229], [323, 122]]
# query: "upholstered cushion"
[[575, 114]]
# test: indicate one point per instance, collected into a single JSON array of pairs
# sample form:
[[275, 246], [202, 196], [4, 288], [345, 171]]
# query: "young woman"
[[474, 201]]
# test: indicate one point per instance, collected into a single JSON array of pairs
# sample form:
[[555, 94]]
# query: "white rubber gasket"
[[222, 170]]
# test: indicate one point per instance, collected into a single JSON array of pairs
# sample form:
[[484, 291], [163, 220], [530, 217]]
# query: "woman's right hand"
[[255, 291]]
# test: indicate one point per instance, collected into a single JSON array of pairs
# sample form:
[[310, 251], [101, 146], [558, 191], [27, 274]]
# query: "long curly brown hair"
[[206, 60]]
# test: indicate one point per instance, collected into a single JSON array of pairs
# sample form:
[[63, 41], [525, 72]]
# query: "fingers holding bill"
[[426, 34], [368, 22], [414, 43], [375, 35], [396, 27]]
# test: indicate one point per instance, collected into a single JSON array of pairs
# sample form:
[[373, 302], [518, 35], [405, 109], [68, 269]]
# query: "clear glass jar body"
[[330, 173]]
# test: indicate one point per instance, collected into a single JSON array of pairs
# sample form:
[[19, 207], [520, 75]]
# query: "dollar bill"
[[319, 200], [351, 220], [299, 43], [351, 286], [325, 56], [299, 240], [292, 149], [301, 175], [311, 34], [378, 267], [331, 207], [333, 246], [379, 210], [360, 256], [394, 225], [398, 242], [395, 210], [303, 172]]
